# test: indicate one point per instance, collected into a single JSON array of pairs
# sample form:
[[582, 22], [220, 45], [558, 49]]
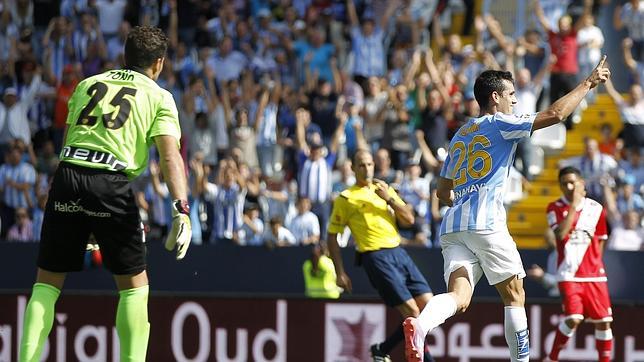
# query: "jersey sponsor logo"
[[94, 157], [468, 190], [73, 207]]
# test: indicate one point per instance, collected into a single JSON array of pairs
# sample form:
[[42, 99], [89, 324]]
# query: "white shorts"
[[491, 252]]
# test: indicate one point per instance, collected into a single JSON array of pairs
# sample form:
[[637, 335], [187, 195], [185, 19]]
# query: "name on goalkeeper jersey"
[[468, 189]]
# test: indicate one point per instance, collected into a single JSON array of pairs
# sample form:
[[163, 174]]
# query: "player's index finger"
[[602, 61]]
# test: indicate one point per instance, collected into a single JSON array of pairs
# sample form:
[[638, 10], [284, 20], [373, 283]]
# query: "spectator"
[[397, 136], [353, 135], [367, 41], [608, 144], [431, 132], [72, 9], [252, 231], [345, 179], [374, 111], [636, 67], [275, 198], [227, 63], [227, 196], [627, 197], [110, 16], [631, 15], [553, 10], [89, 33], [8, 36], [351, 90], [633, 165], [590, 40], [93, 62], [533, 50], [277, 235], [322, 106], [527, 93], [58, 47], [22, 13], [47, 159], [315, 54], [115, 44], [414, 189], [629, 235], [202, 139], [17, 180], [64, 90], [315, 175], [319, 275], [563, 44], [632, 113], [268, 150], [243, 134], [157, 197], [22, 229], [305, 225], [397, 71], [594, 167], [14, 122], [383, 169]]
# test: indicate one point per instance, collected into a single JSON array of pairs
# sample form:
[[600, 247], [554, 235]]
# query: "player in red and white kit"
[[580, 269]]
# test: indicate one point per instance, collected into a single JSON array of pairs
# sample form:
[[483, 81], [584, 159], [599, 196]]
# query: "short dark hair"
[[568, 170], [144, 45], [488, 82]]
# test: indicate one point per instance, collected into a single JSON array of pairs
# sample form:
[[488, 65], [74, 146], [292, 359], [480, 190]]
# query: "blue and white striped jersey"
[[479, 160]]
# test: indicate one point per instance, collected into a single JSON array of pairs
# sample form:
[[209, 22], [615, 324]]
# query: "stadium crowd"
[[275, 96]]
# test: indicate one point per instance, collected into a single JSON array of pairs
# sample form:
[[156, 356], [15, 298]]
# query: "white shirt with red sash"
[[580, 252]]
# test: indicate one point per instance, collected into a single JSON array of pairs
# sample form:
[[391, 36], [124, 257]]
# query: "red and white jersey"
[[579, 256]]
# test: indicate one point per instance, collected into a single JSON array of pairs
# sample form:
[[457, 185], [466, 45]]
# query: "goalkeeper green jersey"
[[113, 118]]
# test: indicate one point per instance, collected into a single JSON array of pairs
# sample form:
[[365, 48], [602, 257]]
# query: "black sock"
[[396, 337]]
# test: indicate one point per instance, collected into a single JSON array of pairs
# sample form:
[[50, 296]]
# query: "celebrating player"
[[474, 234], [579, 224], [113, 118]]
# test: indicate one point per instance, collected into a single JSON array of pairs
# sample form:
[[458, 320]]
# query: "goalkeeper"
[[113, 118]]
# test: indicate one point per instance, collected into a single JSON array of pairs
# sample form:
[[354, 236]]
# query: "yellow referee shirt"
[[371, 220]]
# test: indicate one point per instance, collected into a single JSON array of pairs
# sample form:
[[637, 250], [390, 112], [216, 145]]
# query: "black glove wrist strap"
[[182, 206]]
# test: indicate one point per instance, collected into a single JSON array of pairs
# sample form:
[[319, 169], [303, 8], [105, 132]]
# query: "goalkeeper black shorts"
[[84, 201]]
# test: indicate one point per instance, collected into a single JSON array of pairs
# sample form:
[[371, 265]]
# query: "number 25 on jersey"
[[98, 91]]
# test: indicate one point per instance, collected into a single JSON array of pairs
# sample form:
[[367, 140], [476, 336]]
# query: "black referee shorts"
[[82, 201], [394, 275]]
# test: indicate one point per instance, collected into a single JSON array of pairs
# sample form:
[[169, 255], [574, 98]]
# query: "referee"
[[371, 208], [113, 118]]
